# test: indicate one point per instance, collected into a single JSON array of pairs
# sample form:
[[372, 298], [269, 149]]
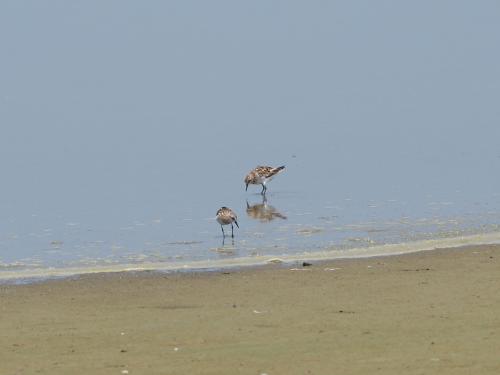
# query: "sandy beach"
[[434, 312]]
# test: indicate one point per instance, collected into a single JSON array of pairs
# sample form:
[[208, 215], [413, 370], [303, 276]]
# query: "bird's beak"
[[236, 223]]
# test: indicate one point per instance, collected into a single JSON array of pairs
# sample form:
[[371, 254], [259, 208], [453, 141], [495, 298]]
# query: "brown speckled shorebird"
[[261, 175], [226, 216]]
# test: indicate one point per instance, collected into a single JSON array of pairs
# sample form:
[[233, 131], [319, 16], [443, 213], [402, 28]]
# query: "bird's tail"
[[276, 170]]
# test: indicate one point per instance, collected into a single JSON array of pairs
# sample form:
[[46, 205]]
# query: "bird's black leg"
[[223, 234], [263, 189], [232, 234]]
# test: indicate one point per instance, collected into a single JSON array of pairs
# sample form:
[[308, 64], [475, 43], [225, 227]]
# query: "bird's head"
[[247, 181]]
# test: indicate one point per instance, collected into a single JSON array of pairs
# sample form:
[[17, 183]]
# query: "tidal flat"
[[432, 312]]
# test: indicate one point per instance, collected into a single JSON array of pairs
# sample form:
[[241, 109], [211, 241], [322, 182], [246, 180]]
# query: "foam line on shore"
[[238, 262]]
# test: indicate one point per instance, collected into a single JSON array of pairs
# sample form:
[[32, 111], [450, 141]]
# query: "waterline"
[[37, 274]]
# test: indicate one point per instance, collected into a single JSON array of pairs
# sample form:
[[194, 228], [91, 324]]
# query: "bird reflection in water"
[[263, 211], [227, 247]]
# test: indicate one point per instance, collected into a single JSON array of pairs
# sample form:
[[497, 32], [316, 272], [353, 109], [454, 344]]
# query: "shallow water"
[[115, 151]]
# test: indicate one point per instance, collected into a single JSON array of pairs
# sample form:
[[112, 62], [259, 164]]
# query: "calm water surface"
[[136, 207], [124, 129]]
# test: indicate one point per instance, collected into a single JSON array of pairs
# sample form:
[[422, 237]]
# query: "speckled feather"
[[226, 216], [261, 174]]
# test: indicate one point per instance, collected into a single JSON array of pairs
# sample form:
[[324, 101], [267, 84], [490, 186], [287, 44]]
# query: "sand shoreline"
[[234, 263], [432, 312]]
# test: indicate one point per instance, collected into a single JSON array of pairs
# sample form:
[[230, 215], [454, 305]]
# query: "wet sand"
[[434, 312]]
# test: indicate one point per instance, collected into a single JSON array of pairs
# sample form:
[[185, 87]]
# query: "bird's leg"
[[232, 234], [263, 189], [223, 234]]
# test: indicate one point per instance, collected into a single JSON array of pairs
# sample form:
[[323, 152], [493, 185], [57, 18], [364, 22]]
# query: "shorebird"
[[262, 175], [226, 216]]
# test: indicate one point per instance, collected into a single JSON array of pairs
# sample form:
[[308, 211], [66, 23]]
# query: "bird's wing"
[[263, 170]]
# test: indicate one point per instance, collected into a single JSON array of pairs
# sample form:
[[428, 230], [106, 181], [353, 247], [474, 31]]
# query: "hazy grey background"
[[128, 124]]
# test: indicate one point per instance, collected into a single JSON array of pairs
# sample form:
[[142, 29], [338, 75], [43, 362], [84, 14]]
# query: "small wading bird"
[[226, 216], [261, 175]]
